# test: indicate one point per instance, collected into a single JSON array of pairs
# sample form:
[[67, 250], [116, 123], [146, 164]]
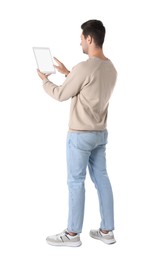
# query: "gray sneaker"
[[64, 239], [106, 238]]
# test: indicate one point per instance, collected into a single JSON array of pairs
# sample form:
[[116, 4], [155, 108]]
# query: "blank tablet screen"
[[44, 59]]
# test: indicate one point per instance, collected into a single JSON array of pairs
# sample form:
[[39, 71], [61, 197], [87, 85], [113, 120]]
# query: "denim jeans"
[[88, 149]]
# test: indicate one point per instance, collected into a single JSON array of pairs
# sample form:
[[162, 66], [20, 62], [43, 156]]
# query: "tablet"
[[44, 59]]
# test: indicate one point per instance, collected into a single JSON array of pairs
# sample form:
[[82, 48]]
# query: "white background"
[[33, 128]]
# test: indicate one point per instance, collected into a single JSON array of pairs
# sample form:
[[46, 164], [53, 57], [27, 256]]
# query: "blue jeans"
[[88, 149]]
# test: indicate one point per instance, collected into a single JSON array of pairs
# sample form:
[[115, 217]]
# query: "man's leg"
[[77, 161], [98, 173]]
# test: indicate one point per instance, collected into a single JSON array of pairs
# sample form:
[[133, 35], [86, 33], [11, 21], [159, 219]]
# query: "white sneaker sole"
[[106, 241], [69, 244]]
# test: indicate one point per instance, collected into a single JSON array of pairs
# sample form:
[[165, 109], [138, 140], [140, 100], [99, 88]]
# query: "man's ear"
[[89, 39]]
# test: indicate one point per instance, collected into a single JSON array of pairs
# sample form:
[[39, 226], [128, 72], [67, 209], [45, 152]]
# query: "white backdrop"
[[33, 191]]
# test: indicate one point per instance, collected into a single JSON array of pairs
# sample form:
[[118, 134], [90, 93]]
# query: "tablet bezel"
[[50, 57]]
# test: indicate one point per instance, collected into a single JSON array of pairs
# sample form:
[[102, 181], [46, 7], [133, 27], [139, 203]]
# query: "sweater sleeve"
[[71, 86]]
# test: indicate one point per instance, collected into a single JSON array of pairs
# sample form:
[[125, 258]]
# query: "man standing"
[[89, 85]]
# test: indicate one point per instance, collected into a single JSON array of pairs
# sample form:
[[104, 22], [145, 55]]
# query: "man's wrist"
[[45, 80], [67, 73]]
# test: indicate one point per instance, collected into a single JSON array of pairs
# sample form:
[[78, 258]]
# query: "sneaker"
[[106, 238], [64, 239]]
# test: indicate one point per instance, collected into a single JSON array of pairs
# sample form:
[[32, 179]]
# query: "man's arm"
[[71, 86]]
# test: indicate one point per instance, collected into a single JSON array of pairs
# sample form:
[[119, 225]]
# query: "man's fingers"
[[57, 67], [57, 61], [60, 67], [42, 75], [39, 72]]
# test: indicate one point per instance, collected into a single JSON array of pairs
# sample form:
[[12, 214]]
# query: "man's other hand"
[[61, 67], [42, 75]]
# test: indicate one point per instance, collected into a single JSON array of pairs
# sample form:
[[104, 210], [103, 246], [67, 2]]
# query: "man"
[[89, 85]]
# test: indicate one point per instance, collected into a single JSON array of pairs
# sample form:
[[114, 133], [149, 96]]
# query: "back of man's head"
[[96, 30]]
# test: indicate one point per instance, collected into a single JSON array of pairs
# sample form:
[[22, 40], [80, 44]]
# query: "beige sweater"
[[89, 85]]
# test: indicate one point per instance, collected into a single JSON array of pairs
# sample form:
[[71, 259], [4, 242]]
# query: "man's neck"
[[97, 52]]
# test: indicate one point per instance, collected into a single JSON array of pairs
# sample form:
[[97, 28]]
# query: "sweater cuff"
[[45, 81]]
